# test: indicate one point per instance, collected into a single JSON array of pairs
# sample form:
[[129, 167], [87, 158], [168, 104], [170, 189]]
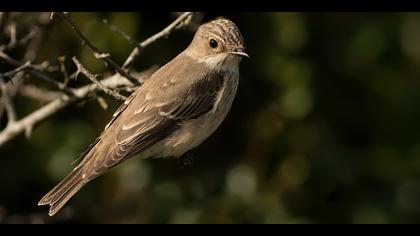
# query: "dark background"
[[324, 128]]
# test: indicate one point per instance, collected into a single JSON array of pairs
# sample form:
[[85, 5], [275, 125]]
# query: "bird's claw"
[[185, 160]]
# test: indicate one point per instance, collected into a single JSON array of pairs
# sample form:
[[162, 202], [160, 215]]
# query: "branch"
[[35, 72], [20, 42], [96, 52], [116, 30], [63, 69], [102, 103], [41, 31], [4, 17], [11, 114], [32, 46], [12, 89], [178, 23], [42, 95], [27, 123], [11, 73], [92, 77], [12, 43], [72, 96]]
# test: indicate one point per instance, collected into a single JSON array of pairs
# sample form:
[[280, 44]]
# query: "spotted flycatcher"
[[175, 110]]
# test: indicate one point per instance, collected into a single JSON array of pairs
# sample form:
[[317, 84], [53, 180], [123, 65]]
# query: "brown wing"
[[123, 106], [154, 120], [196, 101]]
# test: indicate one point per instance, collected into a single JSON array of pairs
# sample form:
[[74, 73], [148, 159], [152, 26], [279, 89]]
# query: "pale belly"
[[194, 132]]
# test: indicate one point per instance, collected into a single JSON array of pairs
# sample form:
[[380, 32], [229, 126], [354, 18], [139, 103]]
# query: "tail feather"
[[63, 191]]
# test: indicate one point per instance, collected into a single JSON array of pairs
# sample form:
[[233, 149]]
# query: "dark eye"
[[213, 43]]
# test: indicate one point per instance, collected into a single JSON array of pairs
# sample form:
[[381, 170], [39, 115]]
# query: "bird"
[[171, 113]]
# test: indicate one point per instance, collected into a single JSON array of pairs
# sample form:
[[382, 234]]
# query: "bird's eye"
[[213, 43]]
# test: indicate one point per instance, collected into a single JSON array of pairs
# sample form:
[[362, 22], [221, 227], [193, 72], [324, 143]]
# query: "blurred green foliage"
[[324, 128]]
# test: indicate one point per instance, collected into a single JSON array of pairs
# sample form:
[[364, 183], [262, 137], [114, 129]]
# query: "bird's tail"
[[62, 192]]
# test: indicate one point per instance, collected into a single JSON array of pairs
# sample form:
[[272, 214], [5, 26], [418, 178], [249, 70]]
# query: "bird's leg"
[[186, 160]]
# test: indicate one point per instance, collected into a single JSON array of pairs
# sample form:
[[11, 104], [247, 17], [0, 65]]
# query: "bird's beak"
[[240, 52]]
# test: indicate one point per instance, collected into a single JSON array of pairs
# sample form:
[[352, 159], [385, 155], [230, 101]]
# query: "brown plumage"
[[177, 108]]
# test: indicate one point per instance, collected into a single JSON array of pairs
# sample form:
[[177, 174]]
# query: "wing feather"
[[163, 114]]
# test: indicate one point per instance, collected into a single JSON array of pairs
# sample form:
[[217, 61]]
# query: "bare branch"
[[178, 23], [102, 102], [72, 96], [42, 95], [63, 69], [11, 73], [35, 72], [92, 77], [12, 88], [11, 114], [195, 21], [6, 58], [15, 43], [4, 17], [41, 29], [45, 112], [96, 52], [12, 29], [115, 29], [33, 45]]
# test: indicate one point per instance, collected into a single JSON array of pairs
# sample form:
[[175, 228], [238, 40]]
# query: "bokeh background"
[[324, 128]]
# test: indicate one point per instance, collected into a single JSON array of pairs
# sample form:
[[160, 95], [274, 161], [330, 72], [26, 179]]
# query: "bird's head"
[[218, 42]]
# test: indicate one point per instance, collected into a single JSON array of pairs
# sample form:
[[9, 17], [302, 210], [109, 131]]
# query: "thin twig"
[[12, 42], [12, 88], [20, 42], [35, 72], [63, 69], [48, 110], [39, 94], [102, 102], [33, 45], [11, 73], [96, 52], [92, 77], [11, 113], [41, 29], [4, 18], [178, 23], [116, 30], [6, 58]]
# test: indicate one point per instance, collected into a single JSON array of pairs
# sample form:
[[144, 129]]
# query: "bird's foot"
[[185, 160]]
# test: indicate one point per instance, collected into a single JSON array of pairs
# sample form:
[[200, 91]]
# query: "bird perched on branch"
[[174, 111]]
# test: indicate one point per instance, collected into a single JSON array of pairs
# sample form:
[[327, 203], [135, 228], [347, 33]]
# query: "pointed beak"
[[240, 52]]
